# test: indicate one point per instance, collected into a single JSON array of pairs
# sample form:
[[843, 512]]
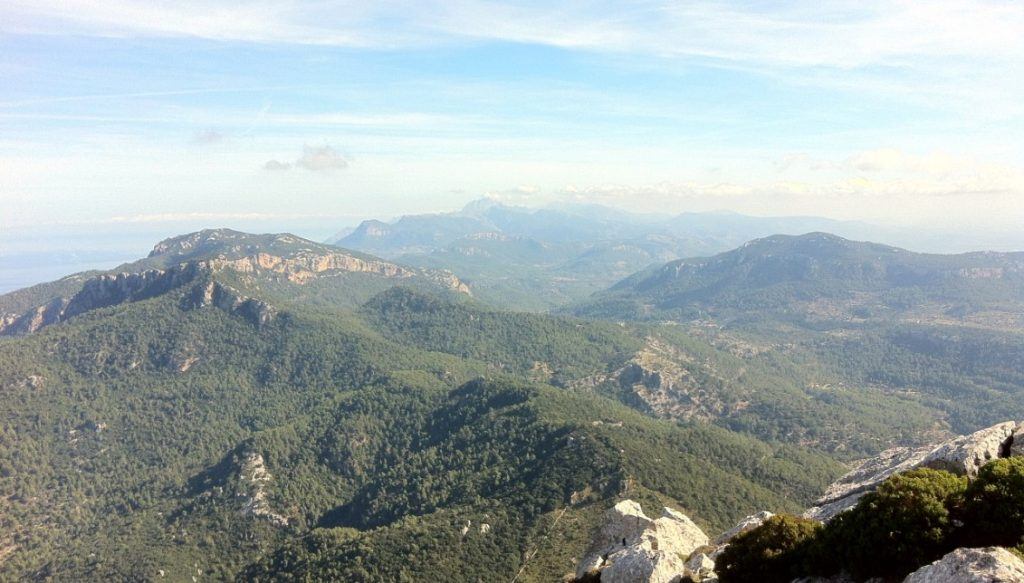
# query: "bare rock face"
[[700, 567], [986, 565], [747, 524], [963, 455], [253, 478], [631, 547], [228, 299]]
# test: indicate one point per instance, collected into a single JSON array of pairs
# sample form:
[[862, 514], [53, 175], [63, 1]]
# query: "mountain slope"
[[942, 334], [223, 266], [165, 437], [822, 277]]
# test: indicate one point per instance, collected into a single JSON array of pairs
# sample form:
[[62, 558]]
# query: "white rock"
[[642, 564], [747, 524], [632, 547], [965, 455], [1017, 445], [987, 565], [700, 567]]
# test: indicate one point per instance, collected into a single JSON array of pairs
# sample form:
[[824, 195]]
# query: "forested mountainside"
[[945, 332], [169, 429], [262, 406], [823, 280]]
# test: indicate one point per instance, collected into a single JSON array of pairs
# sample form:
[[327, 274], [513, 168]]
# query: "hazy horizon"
[[38, 254]]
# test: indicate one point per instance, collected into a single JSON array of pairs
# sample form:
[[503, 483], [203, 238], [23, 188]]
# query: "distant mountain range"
[[542, 258]]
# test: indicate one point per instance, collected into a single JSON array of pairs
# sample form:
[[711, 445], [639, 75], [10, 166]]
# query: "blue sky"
[[121, 112]]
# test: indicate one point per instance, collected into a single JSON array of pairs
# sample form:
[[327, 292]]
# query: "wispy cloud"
[[945, 51], [842, 33]]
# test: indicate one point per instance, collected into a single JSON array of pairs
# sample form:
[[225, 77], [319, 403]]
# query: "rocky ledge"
[[963, 455], [988, 565], [630, 547], [121, 288]]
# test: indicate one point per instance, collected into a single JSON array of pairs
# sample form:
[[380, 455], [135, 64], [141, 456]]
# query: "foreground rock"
[[631, 547], [963, 455], [987, 565]]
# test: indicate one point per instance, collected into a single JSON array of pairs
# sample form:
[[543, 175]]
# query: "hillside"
[[174, 434], [944, 332], [822, 279]]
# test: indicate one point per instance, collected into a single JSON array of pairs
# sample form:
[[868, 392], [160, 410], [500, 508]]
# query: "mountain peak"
[[231, 244], [482, 205]]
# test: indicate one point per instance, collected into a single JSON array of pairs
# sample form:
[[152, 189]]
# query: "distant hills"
[[542, 258], [821, 278]]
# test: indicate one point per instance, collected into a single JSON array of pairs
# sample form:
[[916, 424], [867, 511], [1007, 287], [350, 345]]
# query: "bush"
[[774, 551], [993, 509], [892, 531]]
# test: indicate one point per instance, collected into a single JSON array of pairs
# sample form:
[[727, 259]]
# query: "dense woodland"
[[373, 425]]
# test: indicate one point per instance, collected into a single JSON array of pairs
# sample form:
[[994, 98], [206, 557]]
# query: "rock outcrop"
[[108, 290], [100, 292], [299, 268], [661, 379], [747, 524], [966, 454], [963, 455], [631, 547], [986, 565], [230, 300], [253, 478]]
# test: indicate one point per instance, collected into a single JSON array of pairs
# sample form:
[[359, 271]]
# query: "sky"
[[117, 114]]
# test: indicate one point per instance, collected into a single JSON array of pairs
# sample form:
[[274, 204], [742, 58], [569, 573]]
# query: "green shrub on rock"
[[892, 531], [993, 508], [776, 551]]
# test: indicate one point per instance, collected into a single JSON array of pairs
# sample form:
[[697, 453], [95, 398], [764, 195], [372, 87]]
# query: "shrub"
[[993, 509], [774, 551], [902, 525]]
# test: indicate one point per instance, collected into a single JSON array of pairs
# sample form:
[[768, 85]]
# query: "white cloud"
[[314, 158], [893, 171], [321, 159], [208, 136]]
